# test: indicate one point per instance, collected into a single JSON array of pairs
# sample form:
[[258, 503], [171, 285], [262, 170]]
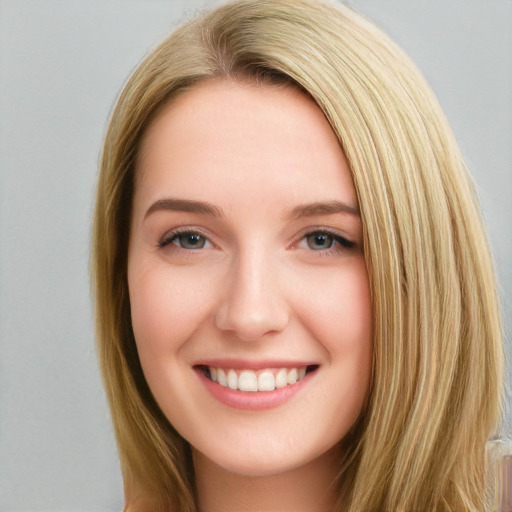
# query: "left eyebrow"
[[323, 208], [184, 205]]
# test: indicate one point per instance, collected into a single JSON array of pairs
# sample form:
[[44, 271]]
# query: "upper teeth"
[[263, 380]]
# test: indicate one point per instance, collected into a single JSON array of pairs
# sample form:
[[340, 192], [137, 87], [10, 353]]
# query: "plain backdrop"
[[62, 64]]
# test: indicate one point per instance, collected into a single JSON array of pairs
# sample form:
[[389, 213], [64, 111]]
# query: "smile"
[[267, 379]]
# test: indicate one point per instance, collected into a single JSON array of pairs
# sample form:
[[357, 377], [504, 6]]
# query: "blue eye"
[[188, 240]]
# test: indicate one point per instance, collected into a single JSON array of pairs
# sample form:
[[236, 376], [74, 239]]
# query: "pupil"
[[192, 241], [320, 241]]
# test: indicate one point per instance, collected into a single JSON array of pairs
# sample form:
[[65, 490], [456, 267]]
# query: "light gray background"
[[62, 63]]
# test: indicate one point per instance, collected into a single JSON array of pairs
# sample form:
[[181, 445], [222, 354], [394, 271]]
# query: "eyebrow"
[[323, 208], [184, 205], [305, 210]]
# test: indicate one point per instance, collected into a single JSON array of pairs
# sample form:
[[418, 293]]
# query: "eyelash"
[[339, 243]]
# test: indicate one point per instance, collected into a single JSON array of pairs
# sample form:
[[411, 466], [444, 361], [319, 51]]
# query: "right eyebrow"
[[183, 205], [324, 208]]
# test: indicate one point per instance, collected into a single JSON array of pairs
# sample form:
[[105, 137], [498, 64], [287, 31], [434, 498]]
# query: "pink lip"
[[239, 364], [252, 401]]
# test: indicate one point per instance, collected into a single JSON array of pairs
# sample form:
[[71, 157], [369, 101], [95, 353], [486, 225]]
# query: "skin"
[[265, 279]]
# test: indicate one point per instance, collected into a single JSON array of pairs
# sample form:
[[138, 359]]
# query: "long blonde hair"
[[437, 355]]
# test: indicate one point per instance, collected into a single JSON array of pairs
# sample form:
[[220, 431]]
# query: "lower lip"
[[253, 400]]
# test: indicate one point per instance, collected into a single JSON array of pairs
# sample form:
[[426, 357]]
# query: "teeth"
[[266, 381], [221, 377], [247, 381], [251, 381], [292, 376], [281, 378], [232, 379]]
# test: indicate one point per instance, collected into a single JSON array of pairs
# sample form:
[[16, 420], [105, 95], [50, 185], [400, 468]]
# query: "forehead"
[[243, 134]]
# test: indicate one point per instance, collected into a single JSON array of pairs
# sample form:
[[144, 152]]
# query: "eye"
[[322, 240], [319, 241], [188, 240]]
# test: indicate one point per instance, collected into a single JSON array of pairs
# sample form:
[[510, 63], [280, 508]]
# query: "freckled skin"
[[252, 283]]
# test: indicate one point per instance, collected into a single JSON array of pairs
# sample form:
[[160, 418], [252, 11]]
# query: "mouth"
[[248, 380]]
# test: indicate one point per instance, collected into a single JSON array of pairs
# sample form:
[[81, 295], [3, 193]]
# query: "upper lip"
[[239, 364]]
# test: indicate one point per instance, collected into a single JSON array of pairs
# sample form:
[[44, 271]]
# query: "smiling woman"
[[269, 307], [296, 307]]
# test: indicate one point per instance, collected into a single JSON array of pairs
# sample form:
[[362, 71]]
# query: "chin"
[[255, 461]]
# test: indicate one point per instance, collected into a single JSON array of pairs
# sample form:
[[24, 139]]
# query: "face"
[[248, 287]]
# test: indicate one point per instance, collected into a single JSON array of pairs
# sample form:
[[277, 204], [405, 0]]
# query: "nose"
[[253, 302]]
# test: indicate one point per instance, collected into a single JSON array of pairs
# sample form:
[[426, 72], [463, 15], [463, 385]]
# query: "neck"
[[305, 489]]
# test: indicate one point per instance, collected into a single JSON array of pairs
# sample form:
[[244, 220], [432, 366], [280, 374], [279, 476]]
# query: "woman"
[[296, 306]]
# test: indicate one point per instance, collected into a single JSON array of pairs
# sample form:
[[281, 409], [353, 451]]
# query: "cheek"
[[340, 310], [339, 314], [165, 308]]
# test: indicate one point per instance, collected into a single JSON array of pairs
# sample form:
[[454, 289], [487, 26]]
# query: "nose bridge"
[[253, 303]]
